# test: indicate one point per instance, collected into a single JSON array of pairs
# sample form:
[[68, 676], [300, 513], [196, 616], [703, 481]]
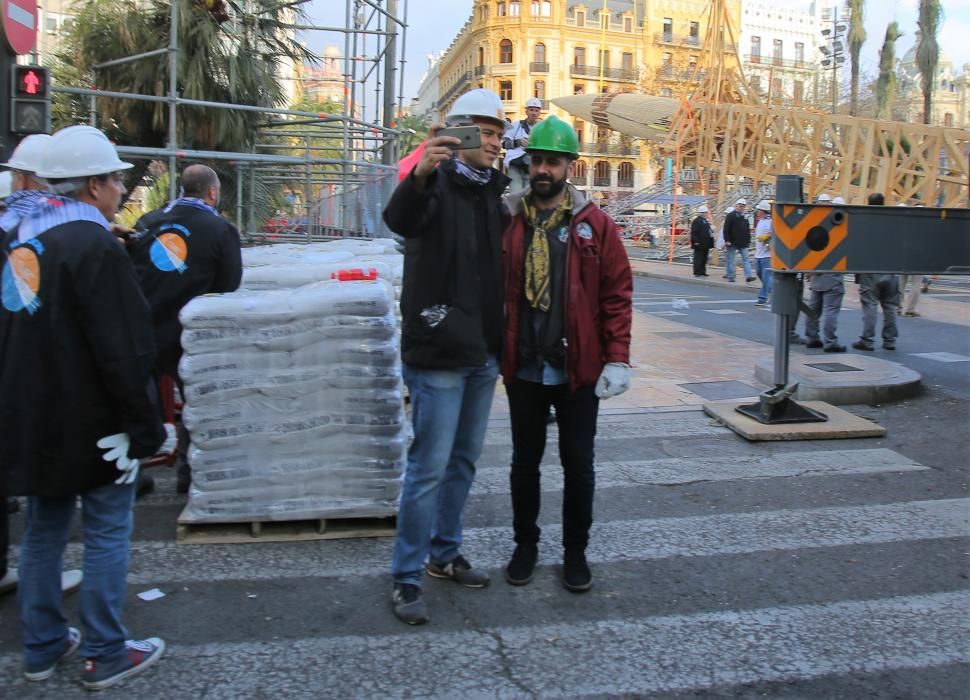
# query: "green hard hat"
[[553, 134]]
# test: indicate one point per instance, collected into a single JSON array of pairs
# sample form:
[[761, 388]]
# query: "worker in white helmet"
[[77, 340], [515, 140], [449, 211]]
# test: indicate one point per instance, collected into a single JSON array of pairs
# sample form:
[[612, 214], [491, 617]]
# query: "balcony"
[[601, 181], [609, 149], [671, 39], [462, 81], [480, 71], [538, 67], [682, 74], [779, 62], [628, 183], [626, 75]]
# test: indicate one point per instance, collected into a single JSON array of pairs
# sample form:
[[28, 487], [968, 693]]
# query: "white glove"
[[171, 440], [117, 452], [614, 380]]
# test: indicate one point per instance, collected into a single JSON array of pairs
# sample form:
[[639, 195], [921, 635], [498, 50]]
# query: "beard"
[[544, 187]]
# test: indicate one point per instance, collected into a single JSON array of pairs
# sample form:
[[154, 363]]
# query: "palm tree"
[[857, 37], [886, 82], [233, 57], [928, 50]]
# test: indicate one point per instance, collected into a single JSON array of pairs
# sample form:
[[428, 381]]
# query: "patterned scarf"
[[20, 204], [190, 202], [474, 175], [54, 210], [537, 291]]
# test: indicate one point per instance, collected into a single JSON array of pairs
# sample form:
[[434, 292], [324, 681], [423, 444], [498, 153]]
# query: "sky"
[[432, 24]]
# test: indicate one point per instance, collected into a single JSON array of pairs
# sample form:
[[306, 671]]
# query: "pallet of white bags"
[[283, 530]]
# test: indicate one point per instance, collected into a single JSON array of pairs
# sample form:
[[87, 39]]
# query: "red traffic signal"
[[30, 82]]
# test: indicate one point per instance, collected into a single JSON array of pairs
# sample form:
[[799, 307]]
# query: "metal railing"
[[480, 71], [778, 61], [624, 74], [538, 67], [609, 149], [678, 39]]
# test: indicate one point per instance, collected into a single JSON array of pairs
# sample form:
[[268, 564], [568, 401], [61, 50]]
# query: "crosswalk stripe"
[[690, 425], [603, 658], [611, 541]]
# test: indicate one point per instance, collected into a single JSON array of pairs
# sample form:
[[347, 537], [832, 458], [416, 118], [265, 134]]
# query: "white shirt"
[[762, 248], [515, 132]]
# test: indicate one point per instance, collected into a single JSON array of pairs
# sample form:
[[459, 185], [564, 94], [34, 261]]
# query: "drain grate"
[[833, 367], [716, 391]]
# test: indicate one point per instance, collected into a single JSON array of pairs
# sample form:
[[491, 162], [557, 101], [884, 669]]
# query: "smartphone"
[[471, 136]]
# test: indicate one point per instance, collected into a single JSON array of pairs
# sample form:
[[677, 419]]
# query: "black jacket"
[[737, 230], [76, 357], [180, 255], [442, 227], [701, 235]]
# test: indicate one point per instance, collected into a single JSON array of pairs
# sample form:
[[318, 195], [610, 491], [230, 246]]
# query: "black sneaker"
[[521, 566], [139, 655], [750, 279], [813, 344], [796, 340], [863, 345], [459, 570], [576, 576], [834, 347], [144, 485], [889, 345], [409, 604]]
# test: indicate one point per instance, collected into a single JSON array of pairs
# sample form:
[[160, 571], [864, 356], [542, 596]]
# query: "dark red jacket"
[[599, 292]]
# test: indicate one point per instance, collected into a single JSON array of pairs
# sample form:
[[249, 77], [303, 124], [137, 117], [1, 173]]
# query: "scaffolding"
[[335, 171]]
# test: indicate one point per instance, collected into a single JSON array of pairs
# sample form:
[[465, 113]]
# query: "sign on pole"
[[19, 24]]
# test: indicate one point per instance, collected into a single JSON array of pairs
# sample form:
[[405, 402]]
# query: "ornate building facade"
[[951, 92]]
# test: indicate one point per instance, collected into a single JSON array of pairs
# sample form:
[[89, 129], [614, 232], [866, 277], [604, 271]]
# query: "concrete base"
[[840, 423], [870, 380]]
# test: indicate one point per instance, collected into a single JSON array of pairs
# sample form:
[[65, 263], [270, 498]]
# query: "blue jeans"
[[743, 252], [761, 266], [449, 413], [106, 522]]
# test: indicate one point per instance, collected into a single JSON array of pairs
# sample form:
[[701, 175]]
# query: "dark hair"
[[877, 199], [197, 179]]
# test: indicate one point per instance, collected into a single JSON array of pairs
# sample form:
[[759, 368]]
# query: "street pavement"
[[722, 568]]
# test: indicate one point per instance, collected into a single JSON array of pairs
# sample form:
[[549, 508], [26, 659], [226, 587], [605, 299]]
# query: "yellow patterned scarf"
[[537, 257]]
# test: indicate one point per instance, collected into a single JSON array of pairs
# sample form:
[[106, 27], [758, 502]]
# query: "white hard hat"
[[79, 151], [838, 200], [533, 102], [763, 205], [823, 198], [6, 184], [702, 209], [741, 201], [28, 153], [729, 210], [477, 103]]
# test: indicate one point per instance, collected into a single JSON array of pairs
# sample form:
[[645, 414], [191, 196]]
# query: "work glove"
[[171, 440], [117, 452], [614, 380]]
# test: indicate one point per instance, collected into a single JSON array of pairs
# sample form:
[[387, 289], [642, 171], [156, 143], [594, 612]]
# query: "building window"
[[50, 24], [798, 91], [776, 51], [579, 89], [604, 58], [604, 20], [756, 49], [948, 120], [505, 51], [799, 53], [756, 84], [481, 55], [579, 56], [578, 127], [601, 174], [666, 92], [541, 8], [694, 38], [580, 19], [483, 12], [668, 34], [505, 89], [500, 10], [540, 53], [540, 90], [628, 24], [579, 172], [627, 61], [602, 135], [776, 89], [625, 175], [513, 8]]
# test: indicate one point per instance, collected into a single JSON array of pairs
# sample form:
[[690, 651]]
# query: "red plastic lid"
[[355, 274]]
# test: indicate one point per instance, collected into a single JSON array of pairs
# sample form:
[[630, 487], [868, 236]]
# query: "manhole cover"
[[681, 334], [833, 367], [715, 391]]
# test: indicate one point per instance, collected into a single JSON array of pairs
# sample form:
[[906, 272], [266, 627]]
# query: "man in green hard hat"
[[569, 309]]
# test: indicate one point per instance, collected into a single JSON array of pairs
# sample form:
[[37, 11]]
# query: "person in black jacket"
[[450, 213], [737, 239], [181, 251], [77, 406], [701, 240]]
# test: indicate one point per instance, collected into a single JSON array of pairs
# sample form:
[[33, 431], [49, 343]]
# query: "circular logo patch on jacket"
[[169, 250], [20, 281], [584, 231]]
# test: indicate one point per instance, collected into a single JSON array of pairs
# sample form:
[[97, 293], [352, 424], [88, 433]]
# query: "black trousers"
[[4, 525], [700, 260], [576, 414]]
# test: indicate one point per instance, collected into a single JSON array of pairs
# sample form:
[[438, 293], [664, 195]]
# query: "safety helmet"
[[763, 205], [838, 200], [26, 156], [728, 210], [79, 151], [553, 134], [481, 103], [742, 201], [702, 209], [822, 198], [533, 102], [6, 184]]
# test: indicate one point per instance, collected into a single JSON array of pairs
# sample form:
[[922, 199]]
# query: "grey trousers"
[[828, 304], [875, 291]]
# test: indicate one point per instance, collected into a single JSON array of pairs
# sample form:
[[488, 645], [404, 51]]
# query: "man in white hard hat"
[[76, 338], [23, 190], [762, 249], [515, 140], [449, 211], [701, 240], [737, 239]]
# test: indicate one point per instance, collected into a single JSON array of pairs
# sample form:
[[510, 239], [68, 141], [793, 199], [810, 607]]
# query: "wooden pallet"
[[284, 531]]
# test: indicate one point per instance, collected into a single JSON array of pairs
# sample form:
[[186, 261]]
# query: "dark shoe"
[[813, 344], [834, 348], [863, 345], [576, 576], [761, 303], [144, 486], [911, 314], [45, 671], [521, 566], [140, 655], [750, 279], [459, 570], [183, 477], [796, 339], [409, 604], [889, 345]]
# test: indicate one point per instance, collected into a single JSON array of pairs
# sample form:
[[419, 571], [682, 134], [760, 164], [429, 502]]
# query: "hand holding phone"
[[442, 142], [468, 136]]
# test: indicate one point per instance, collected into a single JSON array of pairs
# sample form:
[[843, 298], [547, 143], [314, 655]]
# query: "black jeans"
[[700, 260], [576, 414]]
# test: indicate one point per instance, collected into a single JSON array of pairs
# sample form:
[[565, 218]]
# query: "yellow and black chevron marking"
[[809, 237]]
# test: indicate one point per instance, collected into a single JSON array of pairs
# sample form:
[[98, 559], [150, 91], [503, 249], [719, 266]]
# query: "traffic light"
[[30, 100]]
